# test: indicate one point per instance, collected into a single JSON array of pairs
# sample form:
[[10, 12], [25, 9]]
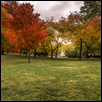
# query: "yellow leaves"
[[89, 31], [68, 47], [4, 17], [89, 28]]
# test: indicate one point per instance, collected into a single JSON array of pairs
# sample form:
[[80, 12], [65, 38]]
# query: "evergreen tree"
[[91, 9]]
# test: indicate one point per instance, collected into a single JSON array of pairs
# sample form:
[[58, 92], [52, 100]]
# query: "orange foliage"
[[4, 17], [25, 29], [92, 29], [89, 31]]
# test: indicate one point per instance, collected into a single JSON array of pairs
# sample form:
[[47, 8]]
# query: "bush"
[[72, 54], [24, 52], [40, 53]]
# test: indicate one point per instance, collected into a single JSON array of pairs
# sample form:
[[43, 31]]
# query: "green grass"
[[49, 80]]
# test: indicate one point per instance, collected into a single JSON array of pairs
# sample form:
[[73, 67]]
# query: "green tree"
[[90, 9]]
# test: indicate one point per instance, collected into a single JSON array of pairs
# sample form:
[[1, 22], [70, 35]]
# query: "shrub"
[[72, 54], [40, 53]]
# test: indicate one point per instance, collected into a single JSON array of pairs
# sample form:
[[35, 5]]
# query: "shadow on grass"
[[49, 58]]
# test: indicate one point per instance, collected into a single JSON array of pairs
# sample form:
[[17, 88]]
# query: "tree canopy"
[[25, 29]]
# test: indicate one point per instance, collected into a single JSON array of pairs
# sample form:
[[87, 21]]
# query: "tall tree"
[[8, 7], [53, 41], [26, 29], [57, 34], [92, 32], [90, 9], [4, 18], [70, 28], [75, 25]]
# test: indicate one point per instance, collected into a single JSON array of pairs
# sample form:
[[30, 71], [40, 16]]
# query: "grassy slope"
[[49, 80]]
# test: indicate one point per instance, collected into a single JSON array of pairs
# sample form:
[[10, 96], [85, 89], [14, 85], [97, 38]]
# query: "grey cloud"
[[61, 5], [61, 8], [55, 8]]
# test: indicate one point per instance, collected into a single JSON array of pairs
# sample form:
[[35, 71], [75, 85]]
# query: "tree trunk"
[[46, 53], [51, 54], [29, 57], [80, 49], [87, 50], [56, 53], [7, 51], [2, 52], [26, 52], [58, 45], [34, 52], [21, 52], [87, 53]]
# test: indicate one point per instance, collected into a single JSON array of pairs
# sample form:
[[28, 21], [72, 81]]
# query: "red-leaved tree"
[[25, 29], [10, 6]]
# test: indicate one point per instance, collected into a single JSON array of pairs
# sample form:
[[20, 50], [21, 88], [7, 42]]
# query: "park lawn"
[[49, 80]]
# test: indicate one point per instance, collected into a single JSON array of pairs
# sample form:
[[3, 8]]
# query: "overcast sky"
[[55, 8]]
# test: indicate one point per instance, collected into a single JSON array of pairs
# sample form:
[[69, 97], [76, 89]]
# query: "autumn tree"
[[75, 24], [92, 33], [45, 46], [56, 35], [70, 28], [67, 48], [87, 32], [91, 12], [10, 6], [4, 18], [25, 28], [52, 40]]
